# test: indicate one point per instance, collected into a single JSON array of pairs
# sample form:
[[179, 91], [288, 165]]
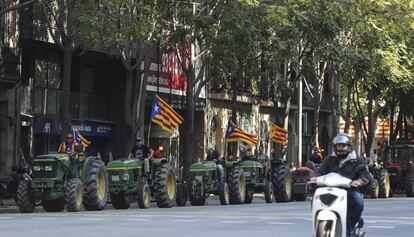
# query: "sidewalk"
[[8, 206]]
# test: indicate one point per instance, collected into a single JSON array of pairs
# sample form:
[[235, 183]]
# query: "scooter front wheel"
[[324, 229]]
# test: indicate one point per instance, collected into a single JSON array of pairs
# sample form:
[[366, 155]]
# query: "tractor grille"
[[44, 170]]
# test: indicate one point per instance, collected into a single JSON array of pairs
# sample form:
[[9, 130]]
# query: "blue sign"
[[44, 125]]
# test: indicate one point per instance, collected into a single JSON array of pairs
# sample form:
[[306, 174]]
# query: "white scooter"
[[329, 207]]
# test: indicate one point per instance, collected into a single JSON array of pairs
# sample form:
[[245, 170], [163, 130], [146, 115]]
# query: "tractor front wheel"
[[409, 189], [182, 195], [144, 195], [268, 192], [248, 198], [120, 201], [384, 185], [74, 195], [224, 193], [25, 197], [374, 189], [282, 181], [237, 185], [96, 187], [165, 186]]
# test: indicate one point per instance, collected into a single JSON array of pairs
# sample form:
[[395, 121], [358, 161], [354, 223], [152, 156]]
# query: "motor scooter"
[[329, 207]]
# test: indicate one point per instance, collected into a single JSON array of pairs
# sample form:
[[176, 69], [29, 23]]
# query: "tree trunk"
[[392, 112], [318, 101], [333, 99], [65, 118], [372, 124], [348, 108], [188, 125]]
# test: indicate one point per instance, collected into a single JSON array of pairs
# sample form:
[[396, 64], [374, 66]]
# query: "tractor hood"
[[124, 164], [203, 165], [251, 164], [62, 158]]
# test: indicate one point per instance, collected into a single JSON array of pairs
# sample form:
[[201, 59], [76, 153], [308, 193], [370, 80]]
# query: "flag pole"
[[149, 132]]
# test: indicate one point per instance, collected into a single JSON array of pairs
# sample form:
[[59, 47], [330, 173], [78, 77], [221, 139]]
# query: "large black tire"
[[74, 195], [237, 185], [282, 183], [224, 193], [25, 197], [268, 192], [324, 229], [182, 195], [165, 186], [374, 190], [144, 195], [384, 185], [248, 197], [57, 205], [96, 187], [120, 201]]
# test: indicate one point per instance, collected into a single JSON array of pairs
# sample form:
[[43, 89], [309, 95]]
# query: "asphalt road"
[[383, 218]]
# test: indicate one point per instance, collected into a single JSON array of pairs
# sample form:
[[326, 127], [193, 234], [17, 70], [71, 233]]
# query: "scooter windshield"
[[333, 180]]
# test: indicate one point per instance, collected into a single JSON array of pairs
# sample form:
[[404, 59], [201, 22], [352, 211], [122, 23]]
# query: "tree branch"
[[16, 7]]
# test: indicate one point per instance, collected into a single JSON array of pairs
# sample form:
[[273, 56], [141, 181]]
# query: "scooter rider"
[[345, 162]]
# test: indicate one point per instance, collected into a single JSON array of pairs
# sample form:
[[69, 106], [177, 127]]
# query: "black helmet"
[[342, 138]]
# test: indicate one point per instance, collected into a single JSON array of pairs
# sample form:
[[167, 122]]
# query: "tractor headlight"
[[125, 177], [48, 168], [36, 168]]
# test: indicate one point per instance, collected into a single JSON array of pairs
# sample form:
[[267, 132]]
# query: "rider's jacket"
[[352, 167]]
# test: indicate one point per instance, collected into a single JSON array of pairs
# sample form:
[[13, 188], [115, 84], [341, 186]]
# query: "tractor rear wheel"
[[282, 181], [237, 185], [182, 195], [384, 185], [57, 205], [74, 195], [374, 191], [120, 201], [25, 197], [144, 195], [248, 198], [299, 197], [96, 187], [268, 192], [224, 193], [165, 186]]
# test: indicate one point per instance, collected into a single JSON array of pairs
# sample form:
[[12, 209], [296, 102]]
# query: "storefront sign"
[[52, 126]]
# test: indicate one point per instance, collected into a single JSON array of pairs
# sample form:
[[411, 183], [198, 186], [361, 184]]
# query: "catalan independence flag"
[[235, 134], [278, 134], [80, 139], [165, 116]]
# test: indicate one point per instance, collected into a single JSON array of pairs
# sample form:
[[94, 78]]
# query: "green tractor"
[[210, 177], [128, 182], [381, 186], [276, 184], [56, 186]]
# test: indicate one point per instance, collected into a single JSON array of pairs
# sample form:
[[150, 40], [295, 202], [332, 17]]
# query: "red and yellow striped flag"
[[278, 134], [235, 134], [165, 116]]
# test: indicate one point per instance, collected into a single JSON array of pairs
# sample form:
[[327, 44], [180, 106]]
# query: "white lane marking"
[[232, 222], [280, 223], [381, 227], [138, 219], [187, 221], [5, 217], [90, 219], [44, 218], [177, 216]]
